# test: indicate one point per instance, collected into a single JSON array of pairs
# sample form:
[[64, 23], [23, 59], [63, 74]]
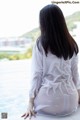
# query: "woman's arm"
[[75, 74], [36, 80], [36, 71], [30, 112]]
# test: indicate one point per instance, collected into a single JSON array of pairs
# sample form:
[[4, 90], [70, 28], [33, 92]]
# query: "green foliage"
[[70, 20], [17, 56], [3, 55], [34, 34]]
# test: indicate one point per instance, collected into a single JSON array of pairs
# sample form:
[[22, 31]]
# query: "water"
[[14, 87]]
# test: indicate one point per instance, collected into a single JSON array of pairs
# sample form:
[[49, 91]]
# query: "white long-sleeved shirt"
[[49, 70]]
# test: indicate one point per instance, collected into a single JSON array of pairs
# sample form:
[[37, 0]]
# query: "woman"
[[55, 79]]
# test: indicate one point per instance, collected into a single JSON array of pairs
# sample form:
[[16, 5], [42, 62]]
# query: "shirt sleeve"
[[75, 73], [36, 72]]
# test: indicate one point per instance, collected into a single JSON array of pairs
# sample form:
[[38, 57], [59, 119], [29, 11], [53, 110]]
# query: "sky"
[[20, 16]]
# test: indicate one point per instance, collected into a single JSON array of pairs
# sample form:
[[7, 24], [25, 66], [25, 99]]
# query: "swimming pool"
[[14, 87]]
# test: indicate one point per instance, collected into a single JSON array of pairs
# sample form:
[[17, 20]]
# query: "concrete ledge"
[[74, 116]]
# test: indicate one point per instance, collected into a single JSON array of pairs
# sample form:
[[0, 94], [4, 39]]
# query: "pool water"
[[14, 87]]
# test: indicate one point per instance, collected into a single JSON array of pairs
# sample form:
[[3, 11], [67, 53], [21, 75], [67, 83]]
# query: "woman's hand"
[[30, 112]]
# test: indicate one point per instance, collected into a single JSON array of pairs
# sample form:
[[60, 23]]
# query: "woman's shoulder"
[[75, 58], [38, 45]]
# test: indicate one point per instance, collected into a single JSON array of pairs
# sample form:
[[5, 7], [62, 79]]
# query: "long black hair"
[[55, 36]]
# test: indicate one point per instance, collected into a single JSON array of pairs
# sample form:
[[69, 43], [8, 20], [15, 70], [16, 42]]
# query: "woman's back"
[[55, 73], [57, 93], [55, 79]]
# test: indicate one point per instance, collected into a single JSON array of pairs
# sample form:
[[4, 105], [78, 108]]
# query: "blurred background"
[[19, 29]]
